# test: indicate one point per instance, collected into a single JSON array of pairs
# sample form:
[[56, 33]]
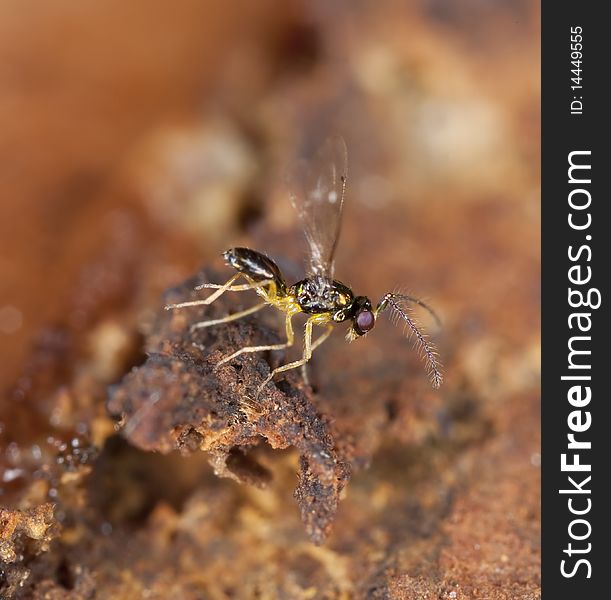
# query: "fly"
[[317, 192]]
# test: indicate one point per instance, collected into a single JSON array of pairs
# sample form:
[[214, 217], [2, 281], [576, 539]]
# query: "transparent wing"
[[317, 189]]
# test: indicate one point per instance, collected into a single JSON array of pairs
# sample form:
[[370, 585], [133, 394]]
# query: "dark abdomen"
[[256, 265]]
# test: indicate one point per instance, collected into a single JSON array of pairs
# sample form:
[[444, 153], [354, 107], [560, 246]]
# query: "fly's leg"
[[228, 318], [234, 288], [251, 285], [318, 342], [322, 338], [307, 352], [210, 299], [258, 286], [221, 289], [290, 337]]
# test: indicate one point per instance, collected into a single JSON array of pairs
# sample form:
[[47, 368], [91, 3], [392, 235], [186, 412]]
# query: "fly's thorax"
[[317, 295]]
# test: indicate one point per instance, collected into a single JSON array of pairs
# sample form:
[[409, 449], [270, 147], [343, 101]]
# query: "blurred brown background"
[[140, 139]]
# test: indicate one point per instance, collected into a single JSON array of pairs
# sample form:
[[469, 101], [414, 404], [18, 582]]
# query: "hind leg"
[[251, 285], [221, 289], [228, 318]]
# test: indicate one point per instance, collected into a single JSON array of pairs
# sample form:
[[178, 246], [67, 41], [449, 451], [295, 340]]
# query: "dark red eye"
[[365, 321]]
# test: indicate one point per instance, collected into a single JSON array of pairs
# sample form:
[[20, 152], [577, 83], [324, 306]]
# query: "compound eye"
[[365, 321]]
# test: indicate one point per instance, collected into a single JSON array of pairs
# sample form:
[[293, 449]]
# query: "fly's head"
[[363, 318]]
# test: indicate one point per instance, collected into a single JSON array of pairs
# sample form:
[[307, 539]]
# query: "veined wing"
[[317, 189]]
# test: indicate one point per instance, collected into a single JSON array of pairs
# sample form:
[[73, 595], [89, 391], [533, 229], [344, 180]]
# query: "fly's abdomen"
[[256, 265]]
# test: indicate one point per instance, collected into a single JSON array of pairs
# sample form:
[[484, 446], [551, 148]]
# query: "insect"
[[317, 192]]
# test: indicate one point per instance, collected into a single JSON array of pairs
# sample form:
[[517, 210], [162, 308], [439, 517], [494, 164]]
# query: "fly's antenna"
[[398, 305], [408, 298]]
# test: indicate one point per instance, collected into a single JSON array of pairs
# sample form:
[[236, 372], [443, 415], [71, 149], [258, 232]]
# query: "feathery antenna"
[[397, 303]]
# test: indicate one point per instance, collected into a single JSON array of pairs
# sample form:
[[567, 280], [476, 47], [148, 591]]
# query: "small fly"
[[317, 192]]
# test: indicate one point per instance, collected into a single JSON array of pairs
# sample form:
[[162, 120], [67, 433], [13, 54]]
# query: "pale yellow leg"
[[221, 289], [210, 299], [228, 318], [290, 337], [318, 342], [235, 288], [307, 352], [322, 338]]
